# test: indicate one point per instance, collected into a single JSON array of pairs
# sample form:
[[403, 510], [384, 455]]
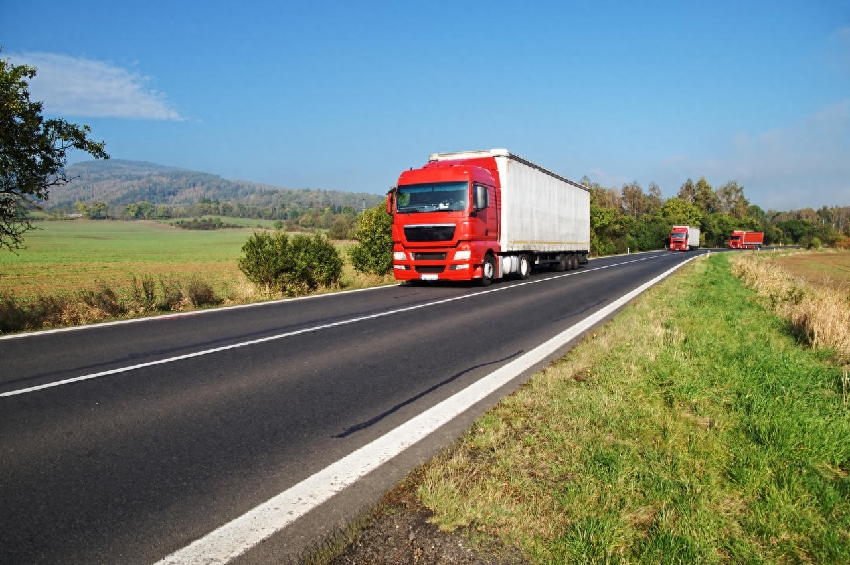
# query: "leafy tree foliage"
[[33, 152], [374, 252], [293, 266], [629, 218]]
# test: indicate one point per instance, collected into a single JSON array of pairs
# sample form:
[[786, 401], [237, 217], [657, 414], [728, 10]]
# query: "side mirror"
[[480, 199], [390, 202]]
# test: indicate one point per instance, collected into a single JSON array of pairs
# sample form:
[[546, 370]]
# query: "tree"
[[33, 152], [374, 252], [705, 197]]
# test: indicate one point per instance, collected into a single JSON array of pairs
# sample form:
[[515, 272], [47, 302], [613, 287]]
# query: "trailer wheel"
[[562, 264], [488, 270], [573, 260], [524, 267]]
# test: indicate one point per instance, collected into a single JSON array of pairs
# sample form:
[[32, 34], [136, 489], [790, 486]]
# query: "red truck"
[[746, 239], [684, 238], [483, 215]]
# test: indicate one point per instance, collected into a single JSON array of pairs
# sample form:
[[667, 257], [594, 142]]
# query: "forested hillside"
[[117, 188]]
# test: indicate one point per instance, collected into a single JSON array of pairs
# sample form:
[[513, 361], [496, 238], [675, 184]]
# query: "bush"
[[144, 297], [374, 253], [293, 266], [103, 299], [343, 228], [201, 293]]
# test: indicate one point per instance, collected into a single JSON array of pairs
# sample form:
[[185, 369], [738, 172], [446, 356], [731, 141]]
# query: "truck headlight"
[[463, 255], [399, 256]]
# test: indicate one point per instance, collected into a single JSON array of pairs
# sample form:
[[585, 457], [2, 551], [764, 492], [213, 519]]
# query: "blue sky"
[[346, 95]]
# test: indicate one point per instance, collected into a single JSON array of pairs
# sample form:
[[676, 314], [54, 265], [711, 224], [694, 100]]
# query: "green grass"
[[74, 272], [71, 255], [690, 429]]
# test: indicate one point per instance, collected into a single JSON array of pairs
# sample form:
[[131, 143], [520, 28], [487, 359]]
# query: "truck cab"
[[446, 221]]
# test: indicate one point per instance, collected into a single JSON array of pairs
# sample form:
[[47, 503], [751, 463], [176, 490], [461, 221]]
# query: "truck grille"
[[429, 256], [437, 232], [430, 269]]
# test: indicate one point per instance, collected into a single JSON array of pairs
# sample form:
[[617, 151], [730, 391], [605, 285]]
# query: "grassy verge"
[[692, 428]]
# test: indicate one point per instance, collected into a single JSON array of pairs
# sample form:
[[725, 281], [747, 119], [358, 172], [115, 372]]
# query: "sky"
[[345, 95]]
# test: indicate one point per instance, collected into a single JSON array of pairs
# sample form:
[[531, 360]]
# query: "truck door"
[[487, 212]]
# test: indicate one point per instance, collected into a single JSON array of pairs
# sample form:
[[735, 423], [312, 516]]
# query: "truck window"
[[431, 197]]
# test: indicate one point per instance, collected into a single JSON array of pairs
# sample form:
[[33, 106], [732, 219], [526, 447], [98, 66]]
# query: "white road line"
[[289, 334], [238, 536], [180, 314]]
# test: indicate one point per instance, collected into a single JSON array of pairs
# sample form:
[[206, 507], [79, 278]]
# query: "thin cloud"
[[607, 180], [798, 165], [85, 87]]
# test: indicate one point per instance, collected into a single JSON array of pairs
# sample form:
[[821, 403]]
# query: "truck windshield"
[[677, 235], [735, 237], [448, 196]]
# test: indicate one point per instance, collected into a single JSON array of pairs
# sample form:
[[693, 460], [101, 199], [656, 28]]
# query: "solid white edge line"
[[241, 534]]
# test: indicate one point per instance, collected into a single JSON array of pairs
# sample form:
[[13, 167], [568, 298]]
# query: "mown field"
[[703, 424], [81, 271], [67, 256], [826, 269]]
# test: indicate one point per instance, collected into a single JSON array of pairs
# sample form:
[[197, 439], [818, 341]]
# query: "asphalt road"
[[162, 430]]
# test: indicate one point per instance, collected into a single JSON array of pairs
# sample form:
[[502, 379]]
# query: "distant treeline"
[[629, 218]]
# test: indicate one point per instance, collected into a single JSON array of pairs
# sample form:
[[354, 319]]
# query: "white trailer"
[[544, 217], [693, 237]]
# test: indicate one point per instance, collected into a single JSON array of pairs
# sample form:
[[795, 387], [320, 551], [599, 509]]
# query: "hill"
[[120, 182]]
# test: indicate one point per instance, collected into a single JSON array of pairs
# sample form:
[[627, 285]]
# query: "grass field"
[[826, 268], [68, 256], [692, 428], [80, 271]]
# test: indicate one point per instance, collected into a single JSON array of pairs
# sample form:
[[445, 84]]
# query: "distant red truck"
[[746, 239], [684, 238]]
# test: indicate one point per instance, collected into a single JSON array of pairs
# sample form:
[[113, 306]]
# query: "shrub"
[[103, 299], [172, 294], [291, 266], [144, 297], [264, 259], [343, 227], [374, 252], [201, 293]]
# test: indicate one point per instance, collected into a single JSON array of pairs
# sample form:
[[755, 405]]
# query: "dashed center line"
[[298, 332]]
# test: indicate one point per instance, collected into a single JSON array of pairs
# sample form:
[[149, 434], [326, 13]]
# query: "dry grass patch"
[[809, 289]]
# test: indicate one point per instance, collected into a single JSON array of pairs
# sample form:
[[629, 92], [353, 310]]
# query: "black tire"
[[488, 270], [573, 260], [524, 267], [561, 265]]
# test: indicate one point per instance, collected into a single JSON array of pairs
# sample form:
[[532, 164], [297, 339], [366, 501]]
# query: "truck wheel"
[[488, 270], [524, 267], [573, 261], [562, 264]]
